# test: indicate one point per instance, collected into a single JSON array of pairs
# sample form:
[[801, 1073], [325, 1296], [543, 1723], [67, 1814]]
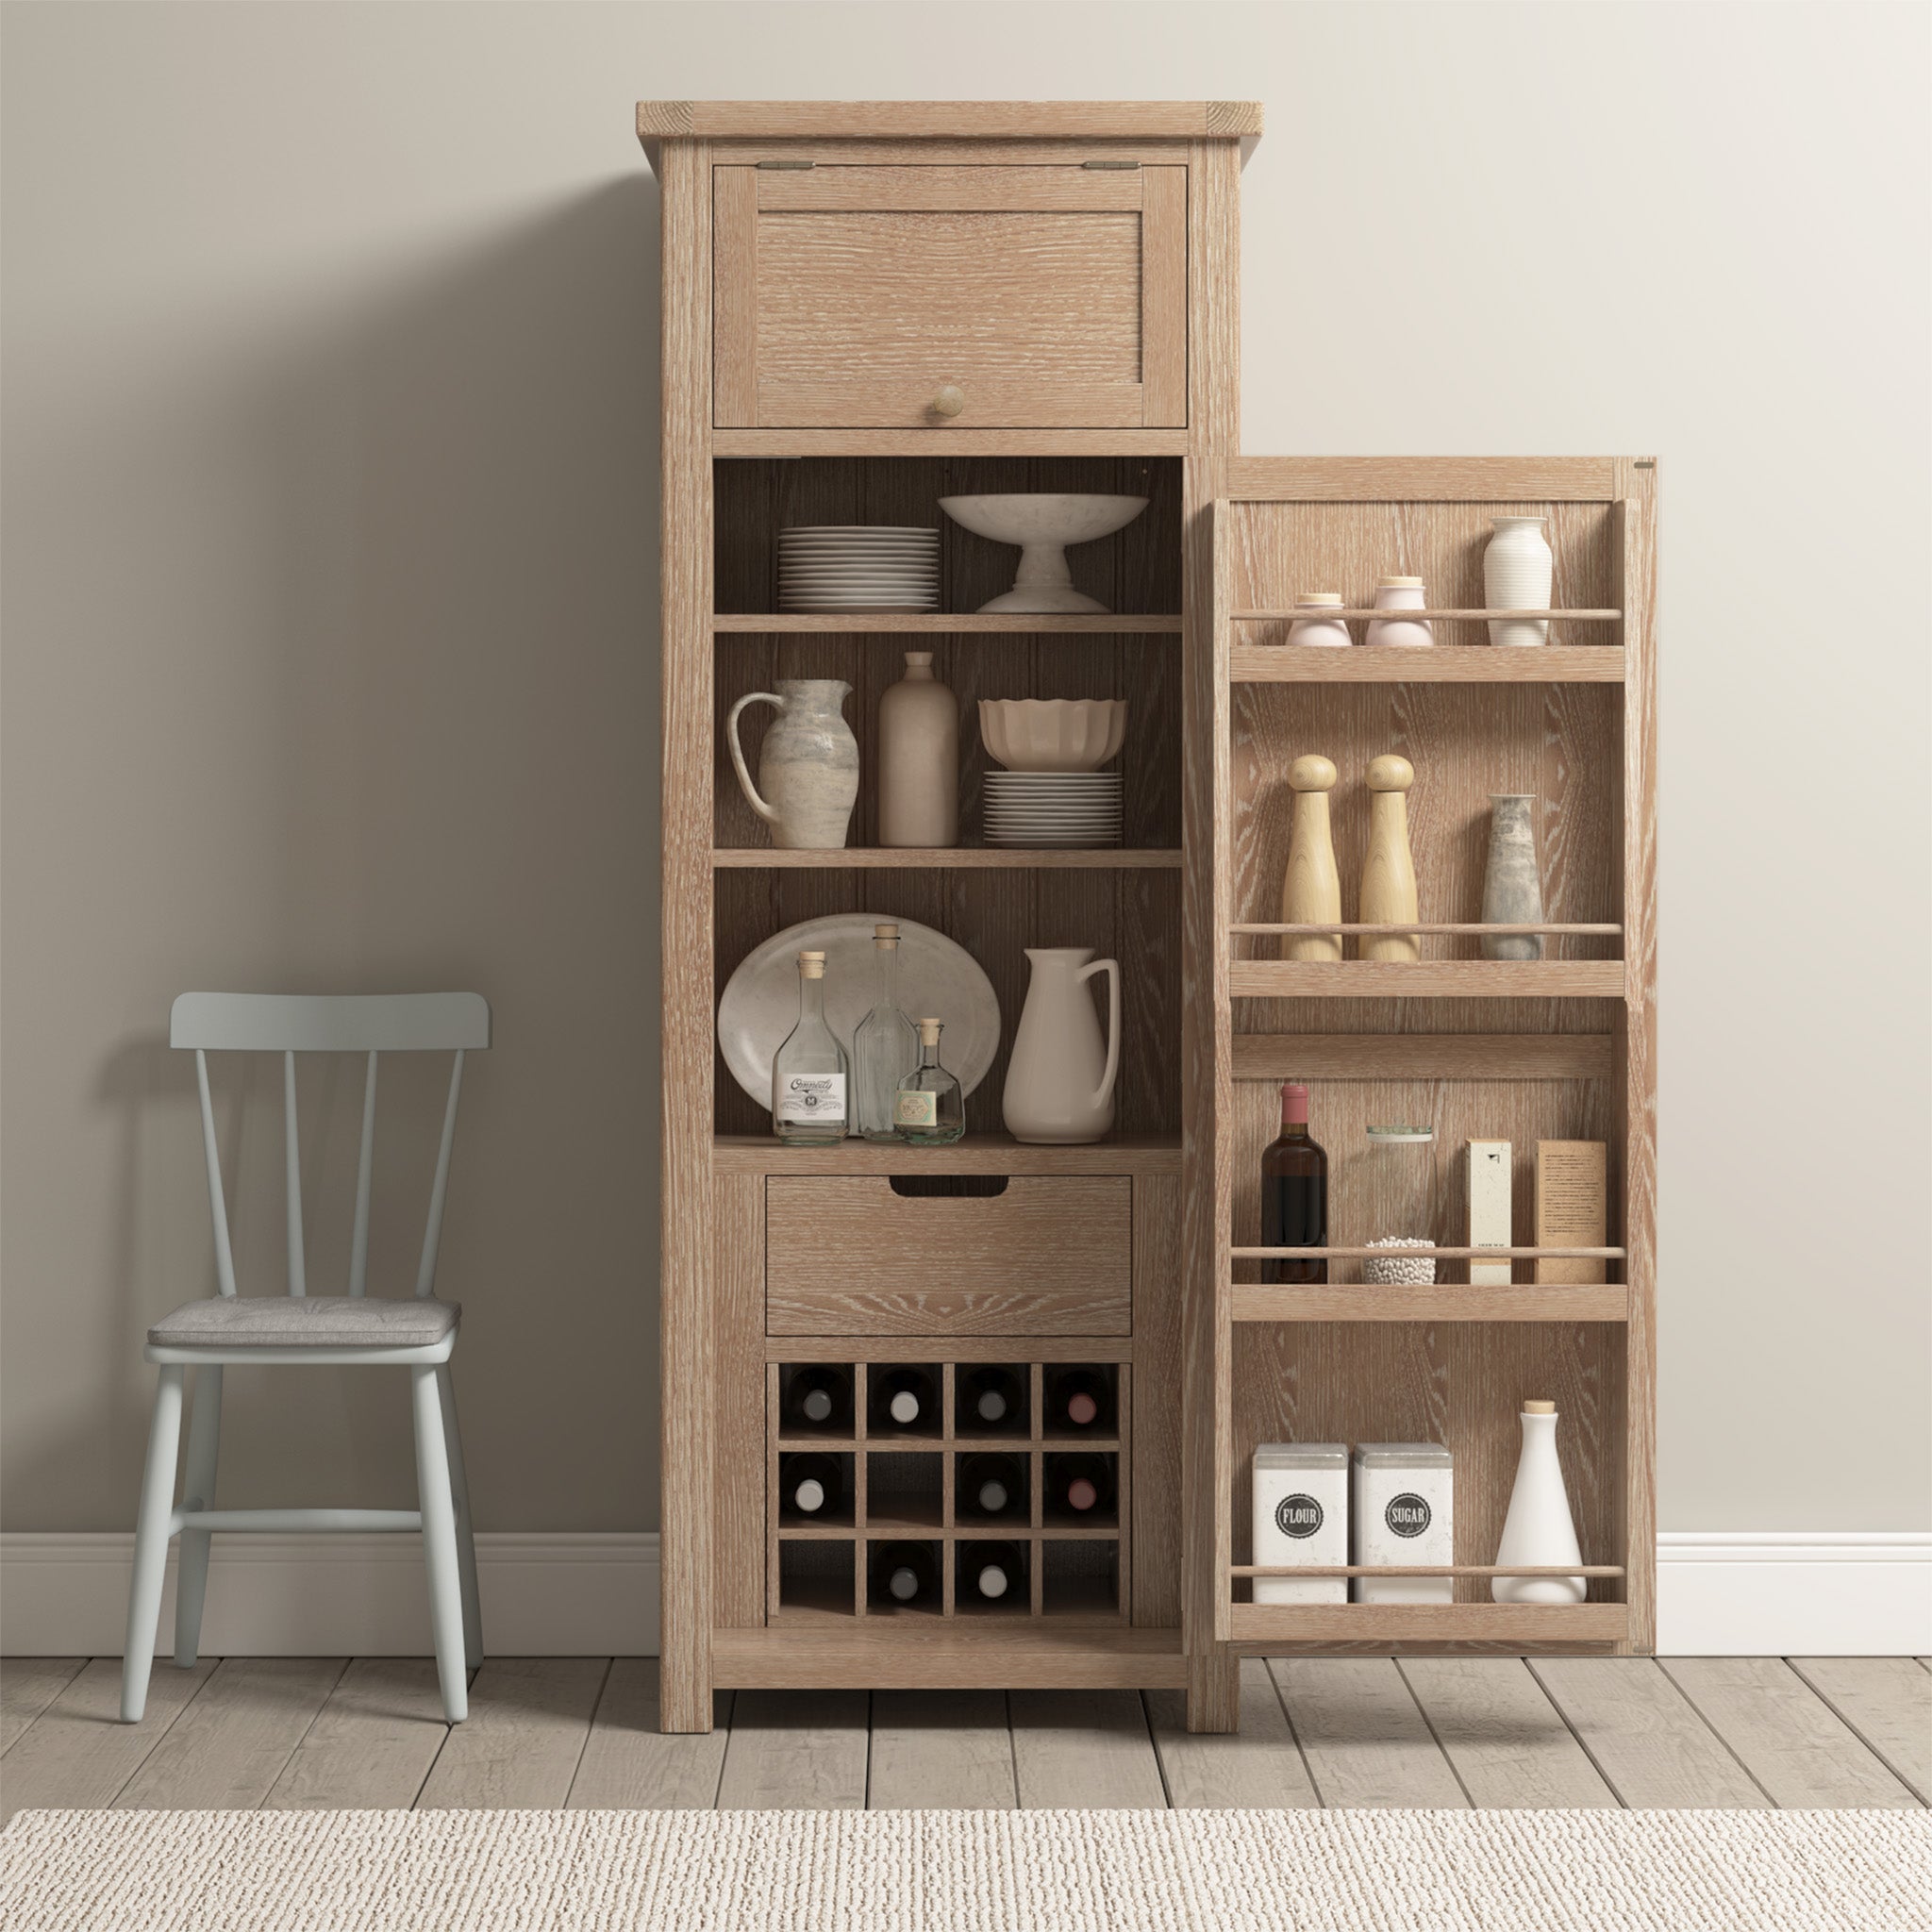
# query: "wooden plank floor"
[[1493, 1732]]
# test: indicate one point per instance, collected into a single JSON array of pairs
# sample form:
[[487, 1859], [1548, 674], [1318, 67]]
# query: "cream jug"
[[807, 765], [1061, 1080]]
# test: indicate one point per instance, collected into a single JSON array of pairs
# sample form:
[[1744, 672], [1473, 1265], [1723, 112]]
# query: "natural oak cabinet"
[[892, 297]]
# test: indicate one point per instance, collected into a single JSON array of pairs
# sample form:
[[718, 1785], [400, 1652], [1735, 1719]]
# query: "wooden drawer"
[[1049, 297], [1049, 1256]]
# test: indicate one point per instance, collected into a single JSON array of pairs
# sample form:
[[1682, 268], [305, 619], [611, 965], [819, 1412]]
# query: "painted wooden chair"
[[299, 1329]]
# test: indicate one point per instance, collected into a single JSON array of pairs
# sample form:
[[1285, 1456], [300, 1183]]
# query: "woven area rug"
[[967, 1871]]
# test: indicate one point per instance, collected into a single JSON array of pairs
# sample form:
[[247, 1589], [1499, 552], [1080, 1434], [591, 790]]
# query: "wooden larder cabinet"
[[1037, 296], [869, 306]]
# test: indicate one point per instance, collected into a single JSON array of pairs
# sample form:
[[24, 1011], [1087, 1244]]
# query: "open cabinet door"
[[1437, 1031]]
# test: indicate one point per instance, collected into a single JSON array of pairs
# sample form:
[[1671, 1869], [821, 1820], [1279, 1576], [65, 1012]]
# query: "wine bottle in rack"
[[1078, 1400], [991, 1486], [1081, 1485], [813, 1485], [818, 1396], [905, 1573], [990, 1398], [992, 1573], [903, 1399], [1295, 1192]]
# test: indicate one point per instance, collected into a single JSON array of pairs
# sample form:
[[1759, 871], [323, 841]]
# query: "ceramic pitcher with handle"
[[807, 765], [1060, 1080]]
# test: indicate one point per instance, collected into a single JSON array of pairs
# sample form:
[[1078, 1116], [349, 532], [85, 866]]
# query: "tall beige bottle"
[[1311, 887], [1389, 894], [918, 759]]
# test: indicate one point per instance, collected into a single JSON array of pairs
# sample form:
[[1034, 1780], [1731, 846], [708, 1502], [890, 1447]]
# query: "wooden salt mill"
[[1311, 887], [1389, 896]]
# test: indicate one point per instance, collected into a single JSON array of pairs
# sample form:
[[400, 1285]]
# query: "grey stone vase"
[[1512, 885]]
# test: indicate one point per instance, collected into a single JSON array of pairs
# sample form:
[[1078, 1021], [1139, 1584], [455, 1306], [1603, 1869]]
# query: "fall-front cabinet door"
[[1049, 297]]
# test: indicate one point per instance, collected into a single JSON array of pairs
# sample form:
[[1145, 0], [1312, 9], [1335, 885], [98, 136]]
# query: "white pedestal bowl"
[[1043, 524]]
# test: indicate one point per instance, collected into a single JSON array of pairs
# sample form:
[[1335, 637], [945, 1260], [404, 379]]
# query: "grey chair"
[[301, 1330]]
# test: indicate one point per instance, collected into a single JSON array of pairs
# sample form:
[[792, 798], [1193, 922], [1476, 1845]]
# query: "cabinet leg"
[[1214, 1691], [684, 1694]]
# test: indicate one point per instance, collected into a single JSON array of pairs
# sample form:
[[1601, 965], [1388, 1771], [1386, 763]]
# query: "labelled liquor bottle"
[[992, 1573], [813, 1485], [1078, 1400], [809, 1107], [1295, 1192], [904, 1575], [903, 1399], [929, 1110], [818, 1396], [1080, 1485], [886, 1046], [990, 1398], [991, 1486]]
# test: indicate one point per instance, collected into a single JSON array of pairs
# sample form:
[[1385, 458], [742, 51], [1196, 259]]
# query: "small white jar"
[[1300, 1501], [1402, 1510], [1327, 633], [1402, 593]]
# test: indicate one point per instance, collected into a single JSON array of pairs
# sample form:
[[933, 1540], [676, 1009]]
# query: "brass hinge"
[[1109, 164], [789, 166]]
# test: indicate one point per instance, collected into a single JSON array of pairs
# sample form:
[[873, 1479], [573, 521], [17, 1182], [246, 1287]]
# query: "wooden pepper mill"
[[1389, 896], [1311, 887]]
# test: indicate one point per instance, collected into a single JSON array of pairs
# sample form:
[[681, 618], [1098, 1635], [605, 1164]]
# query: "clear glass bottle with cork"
[[809, 1104], [929, 1110], [886, 1046]]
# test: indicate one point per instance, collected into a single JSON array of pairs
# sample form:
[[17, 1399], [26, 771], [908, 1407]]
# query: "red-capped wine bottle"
[[1079, 1399], [1083, 1485], [818, 1396], [813, 1485], [990, 1398], [992, 1573], [1295, 1192], [903, 1399], [905, 1574], [991, 1486]]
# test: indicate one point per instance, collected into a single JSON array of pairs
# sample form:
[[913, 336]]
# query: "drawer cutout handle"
[[949, 1187]]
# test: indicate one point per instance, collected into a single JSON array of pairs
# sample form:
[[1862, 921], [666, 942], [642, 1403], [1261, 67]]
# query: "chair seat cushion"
[[312, 1321]]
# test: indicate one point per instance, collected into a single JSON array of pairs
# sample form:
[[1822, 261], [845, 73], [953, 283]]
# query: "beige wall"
[[328, 604]]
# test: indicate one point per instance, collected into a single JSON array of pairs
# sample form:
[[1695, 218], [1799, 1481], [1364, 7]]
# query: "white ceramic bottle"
[[1408, 633], [1539, 1529], [1319, 629], [1518, 570], [918, 759]]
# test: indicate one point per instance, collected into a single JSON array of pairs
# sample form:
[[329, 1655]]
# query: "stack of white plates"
[[1053, 808], [859, 567]]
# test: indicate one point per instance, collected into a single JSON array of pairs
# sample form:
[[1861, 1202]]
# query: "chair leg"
[[466, 1539], [197, 1492], [434, 1499], [151, 1544]]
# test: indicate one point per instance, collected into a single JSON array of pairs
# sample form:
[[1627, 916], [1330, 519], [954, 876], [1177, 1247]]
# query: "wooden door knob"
[[950, 401]]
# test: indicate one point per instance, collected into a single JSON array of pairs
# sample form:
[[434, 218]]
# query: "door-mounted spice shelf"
[[951, 623], [960, 857], [1428, 664], [1429, 1623], [1507, 979], [1445, 1301]]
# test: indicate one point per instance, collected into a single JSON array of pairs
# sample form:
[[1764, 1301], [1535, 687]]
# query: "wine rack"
[[900, 1485]]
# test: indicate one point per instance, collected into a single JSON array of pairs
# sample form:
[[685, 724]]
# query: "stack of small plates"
[[859, 567], [1053, 808]]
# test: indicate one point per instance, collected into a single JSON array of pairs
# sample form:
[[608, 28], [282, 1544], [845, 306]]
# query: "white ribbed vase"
[[1517, 573], [1539, 1529]]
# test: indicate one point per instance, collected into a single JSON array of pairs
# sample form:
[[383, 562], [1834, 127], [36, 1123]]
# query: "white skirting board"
[[546, 1596], [592, 1595]]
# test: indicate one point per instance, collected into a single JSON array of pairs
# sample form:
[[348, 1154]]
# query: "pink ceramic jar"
[[1401, 594]]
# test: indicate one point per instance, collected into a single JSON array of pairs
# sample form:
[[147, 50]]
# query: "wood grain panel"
[[952, 191], [1390, 479], [1157, 1453], [1164, 296], [975, 121], [904, 401], [1424, 1056], [1258, 661], [1049, 1256], [738, 1399], [735, 290]]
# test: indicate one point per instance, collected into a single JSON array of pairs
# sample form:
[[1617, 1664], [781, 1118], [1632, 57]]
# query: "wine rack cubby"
[[901, 1484]]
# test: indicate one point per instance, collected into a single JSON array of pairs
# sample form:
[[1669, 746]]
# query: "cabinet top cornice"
[[948, 120]]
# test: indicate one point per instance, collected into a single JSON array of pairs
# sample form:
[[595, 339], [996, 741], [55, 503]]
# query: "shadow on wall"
[[441, 692]]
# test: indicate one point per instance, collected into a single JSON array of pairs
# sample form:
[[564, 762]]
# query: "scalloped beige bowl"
[[1053, 734]]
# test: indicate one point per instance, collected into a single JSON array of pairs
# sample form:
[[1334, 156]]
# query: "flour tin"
[[1301, 1516], [1403, 1505]]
